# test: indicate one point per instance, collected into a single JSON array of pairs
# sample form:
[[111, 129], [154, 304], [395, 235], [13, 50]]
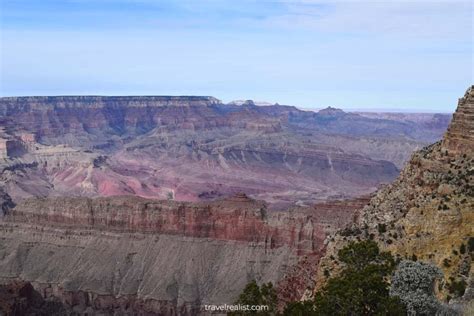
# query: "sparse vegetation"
[[253, 294], [457, 288], [446, 262], [470, 244], [382, 228], [361, 288], [414, 282]]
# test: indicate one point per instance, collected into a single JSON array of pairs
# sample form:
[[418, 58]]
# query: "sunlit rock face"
[[460, 135], [197, 148], [427, 213]]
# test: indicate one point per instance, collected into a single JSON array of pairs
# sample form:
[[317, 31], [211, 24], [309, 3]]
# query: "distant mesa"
[[11, 104], [250, 103], [330, 111]]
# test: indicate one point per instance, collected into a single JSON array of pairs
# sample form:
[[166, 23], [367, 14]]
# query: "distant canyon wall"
[[198, 149]]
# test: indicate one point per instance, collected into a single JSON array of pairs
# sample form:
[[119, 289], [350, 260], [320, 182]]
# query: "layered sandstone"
[[460, 135], [136, 255], [196, 148], [26, 104], [428, 212], [239, 219], [88, 228]]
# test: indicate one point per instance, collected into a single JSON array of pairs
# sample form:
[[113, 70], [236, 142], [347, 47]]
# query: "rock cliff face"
[[460, 136], [20, 298], [135, 255], [6, 203], [239, 219], [196, 148], [128, 204], [428, 212]]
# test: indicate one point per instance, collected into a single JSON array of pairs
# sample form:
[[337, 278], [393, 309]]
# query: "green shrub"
[[457, 288], [300, 309], [361, 288], [470, 244], [462, 249], [382, 228], [253, 294]]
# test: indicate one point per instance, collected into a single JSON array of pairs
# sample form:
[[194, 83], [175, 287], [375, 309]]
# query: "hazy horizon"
[[409, 56]]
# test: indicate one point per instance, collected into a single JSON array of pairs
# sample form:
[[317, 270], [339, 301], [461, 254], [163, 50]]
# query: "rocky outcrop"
[[239, 219], [427, 213], [6, 203], [20, 298], [460, 136], [132, 255]]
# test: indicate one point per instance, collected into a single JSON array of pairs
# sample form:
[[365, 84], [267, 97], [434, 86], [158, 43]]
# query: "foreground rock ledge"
[[136, 255]]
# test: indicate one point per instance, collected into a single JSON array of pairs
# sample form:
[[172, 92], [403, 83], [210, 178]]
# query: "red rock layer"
[[238, 218], [460, 135]]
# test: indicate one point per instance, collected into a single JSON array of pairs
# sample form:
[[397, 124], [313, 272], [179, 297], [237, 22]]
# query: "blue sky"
[[407, 55]]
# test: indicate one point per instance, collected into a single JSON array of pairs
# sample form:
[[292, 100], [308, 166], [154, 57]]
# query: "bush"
[[360, 289], [413, 283], [470, 244], [457, 288], [358, 255], [382, 228], [446, 262], [462, 249], [253, 294], [300, 309]]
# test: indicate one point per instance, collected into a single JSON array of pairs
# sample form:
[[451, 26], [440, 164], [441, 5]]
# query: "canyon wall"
[[426, 214], [136, 205], [197, 149], [134, 255]]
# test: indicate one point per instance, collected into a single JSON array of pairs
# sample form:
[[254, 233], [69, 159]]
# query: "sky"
[[405, 55]]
